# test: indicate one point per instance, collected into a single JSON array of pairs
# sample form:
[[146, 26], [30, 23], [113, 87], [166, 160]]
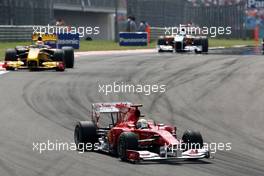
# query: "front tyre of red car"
[[127, 141], [192, 140]]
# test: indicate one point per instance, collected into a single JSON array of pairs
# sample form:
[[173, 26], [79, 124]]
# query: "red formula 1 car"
[[118, 129]]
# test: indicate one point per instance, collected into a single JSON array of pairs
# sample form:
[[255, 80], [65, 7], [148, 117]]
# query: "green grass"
[[229, 43], [102, 45]]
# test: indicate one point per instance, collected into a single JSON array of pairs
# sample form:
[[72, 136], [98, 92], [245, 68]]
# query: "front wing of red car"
[[135, 156]]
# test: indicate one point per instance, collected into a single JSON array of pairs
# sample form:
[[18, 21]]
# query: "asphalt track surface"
[[220, 95]]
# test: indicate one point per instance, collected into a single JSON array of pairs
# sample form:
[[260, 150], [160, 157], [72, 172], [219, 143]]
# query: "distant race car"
[[165, 44], [117, 129], [39, 56], [198, 44], [183, 43]]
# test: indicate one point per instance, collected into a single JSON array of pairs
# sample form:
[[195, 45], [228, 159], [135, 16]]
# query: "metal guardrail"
[[156, 32], [15, 33], [24, 33]]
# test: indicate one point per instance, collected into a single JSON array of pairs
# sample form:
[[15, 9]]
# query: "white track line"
[[3, 72], [88, 53]]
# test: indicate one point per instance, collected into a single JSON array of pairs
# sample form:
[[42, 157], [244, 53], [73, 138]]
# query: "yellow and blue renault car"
[[39, 56]]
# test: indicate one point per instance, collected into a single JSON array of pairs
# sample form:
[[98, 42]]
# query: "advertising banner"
[[255, 17], [66, 39], [133, 39], [59, 40]]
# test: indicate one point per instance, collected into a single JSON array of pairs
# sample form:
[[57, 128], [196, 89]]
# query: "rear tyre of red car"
[[68, 56], [192, 139], [127, 141], [85, 133]]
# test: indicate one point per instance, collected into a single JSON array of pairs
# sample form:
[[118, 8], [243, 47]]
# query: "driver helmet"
[[39, 42], [183, 32], [142, 124]]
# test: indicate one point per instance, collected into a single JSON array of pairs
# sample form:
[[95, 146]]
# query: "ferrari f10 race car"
[[117, 129], [39, 56]]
